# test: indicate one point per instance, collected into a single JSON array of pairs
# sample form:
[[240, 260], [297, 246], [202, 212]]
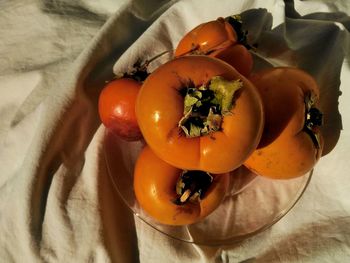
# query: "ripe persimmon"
[[207, 37], [116, 108], [291, 143], [218, 144], [237, 56], [175, 197], [220, 38]]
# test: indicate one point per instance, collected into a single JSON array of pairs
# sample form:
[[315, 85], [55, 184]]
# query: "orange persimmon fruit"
[[160, 107], [217, 38], [291, 143], [116, 108], [155, 183], [237, 56], [207, 37]]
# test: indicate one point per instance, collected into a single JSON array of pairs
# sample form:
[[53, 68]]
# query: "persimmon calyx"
[[139, 71], [205, 106], [236, 22], [191, 186], [313, 119]]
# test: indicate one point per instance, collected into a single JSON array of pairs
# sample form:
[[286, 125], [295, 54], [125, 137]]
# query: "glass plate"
[[254, 203]]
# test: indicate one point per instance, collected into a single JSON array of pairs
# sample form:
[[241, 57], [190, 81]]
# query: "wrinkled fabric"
[[57, 203]]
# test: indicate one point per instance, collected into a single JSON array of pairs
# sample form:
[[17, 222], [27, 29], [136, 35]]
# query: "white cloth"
[[57, 203]]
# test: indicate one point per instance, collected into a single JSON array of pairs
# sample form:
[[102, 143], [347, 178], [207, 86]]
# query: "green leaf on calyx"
[[224, 91], [182, 122], [195, 130]]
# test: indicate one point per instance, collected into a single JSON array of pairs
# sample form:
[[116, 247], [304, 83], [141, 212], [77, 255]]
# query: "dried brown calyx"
[[139, 71], [192, 186], [236, 22], [313, 119]]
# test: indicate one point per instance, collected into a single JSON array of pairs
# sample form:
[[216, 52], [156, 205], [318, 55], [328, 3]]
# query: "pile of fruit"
[[204, 114]]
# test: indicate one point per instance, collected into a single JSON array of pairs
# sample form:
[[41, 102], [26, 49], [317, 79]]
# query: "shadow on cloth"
[[311, 242], [70, 123], [117, 219]]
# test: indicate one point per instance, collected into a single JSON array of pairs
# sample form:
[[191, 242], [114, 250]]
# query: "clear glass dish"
[[252, 205]]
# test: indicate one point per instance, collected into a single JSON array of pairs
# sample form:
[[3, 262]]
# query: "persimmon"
[[291, 143], [117, 100], [116, 108], [220, 38], [175, 197], [220, 142], [207, 37], [237, 56]]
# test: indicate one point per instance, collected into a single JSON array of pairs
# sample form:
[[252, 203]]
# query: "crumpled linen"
[[57, 203]]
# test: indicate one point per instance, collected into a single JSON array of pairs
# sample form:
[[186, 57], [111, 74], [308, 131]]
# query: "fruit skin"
[[154, 187], [158, 116], [238, 57], [218, 39], [286, 150], [116, 108], [207, 37]]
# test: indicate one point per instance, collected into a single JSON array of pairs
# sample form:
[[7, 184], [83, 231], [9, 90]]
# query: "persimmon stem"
[[139, 71], [191, 186], [184, 197], [148, 61]]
